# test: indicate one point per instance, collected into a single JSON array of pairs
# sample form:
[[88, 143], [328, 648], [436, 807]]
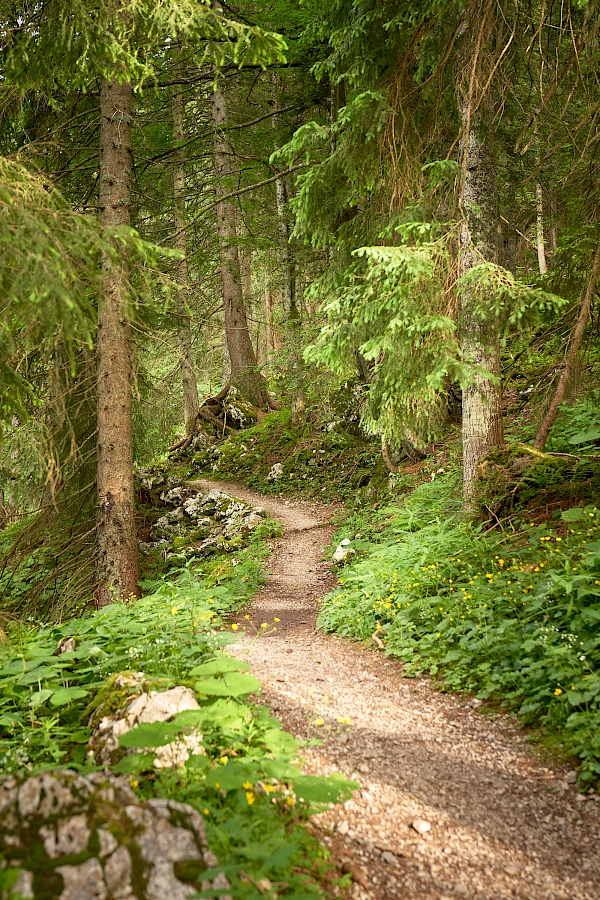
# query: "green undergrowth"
[[238, 563], [511, 613], [247, 783], [313, 462], [38, 586]]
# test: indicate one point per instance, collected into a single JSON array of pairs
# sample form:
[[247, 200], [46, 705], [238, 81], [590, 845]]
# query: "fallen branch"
[[203, 413]]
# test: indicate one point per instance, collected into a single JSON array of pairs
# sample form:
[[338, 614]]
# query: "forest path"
[[502, 824]]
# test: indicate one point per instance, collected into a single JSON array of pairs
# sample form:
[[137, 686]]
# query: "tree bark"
[[187, 368], [288, 268], [482, 427], [117, 562], [539, 218], [270, 335], [571, 356]]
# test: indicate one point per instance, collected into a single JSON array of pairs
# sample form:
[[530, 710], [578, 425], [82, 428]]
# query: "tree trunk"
[[187, 368], [244, 373], [575, 344], [482, 399], [117, 562], [270, 339], [539, 218], [288, 268]]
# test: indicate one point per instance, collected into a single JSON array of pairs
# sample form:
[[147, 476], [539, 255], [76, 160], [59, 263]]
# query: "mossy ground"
[[327, 464]]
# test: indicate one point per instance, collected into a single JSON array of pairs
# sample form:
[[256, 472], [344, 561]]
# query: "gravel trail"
[[503, 823]]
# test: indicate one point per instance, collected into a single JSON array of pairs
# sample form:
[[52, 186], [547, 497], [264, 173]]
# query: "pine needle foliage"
[[399, 307], [66, 45], [48, 274]]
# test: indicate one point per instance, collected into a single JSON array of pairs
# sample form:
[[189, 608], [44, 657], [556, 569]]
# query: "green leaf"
[[224, 714], [134, 764], [233, 775], [278, 741], [198, 763], [314, 789], [280, 769], [40, 674], [220, 665], [8, 719], [40, 697], [575, 514], [585, 436], [66, 695], [233, 684], [151, 734]]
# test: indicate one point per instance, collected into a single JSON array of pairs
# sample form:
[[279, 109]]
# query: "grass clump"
[[511, 614]]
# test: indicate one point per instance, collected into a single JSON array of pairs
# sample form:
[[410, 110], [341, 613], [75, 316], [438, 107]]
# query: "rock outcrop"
[[144, 708], [71, 837], [194, 522]]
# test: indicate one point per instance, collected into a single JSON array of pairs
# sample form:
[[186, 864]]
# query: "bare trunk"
[[552, 231], [244, 373], [270, 340], [539, 216], [574, 346], [225, 367], [117, 562], [283, 228], [186, 356], [482, 400]]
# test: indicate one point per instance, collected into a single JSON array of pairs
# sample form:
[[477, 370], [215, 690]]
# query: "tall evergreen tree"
[[119, 43], [117, 563], [184, 337]]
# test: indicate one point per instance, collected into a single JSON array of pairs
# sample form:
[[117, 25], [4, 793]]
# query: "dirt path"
[[502, 824]]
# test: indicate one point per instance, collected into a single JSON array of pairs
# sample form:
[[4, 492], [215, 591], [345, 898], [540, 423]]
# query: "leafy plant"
[[247, 782], [513, 616], [577, 429]]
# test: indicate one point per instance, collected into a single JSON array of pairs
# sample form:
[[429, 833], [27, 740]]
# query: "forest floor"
[[503, 821]]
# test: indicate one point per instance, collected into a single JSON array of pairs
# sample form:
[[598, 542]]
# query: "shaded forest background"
[[385, 221]]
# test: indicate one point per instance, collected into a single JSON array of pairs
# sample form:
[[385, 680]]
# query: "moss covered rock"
[[71, 837]]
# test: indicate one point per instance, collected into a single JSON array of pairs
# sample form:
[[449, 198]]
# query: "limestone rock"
[[202, 523], [173, 496], [276, 472], [342, 551], [65, 645], [147, 707], [241, 524], [90, 838]]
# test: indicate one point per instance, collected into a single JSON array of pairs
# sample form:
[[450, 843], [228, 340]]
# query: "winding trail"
[[503, 823]]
